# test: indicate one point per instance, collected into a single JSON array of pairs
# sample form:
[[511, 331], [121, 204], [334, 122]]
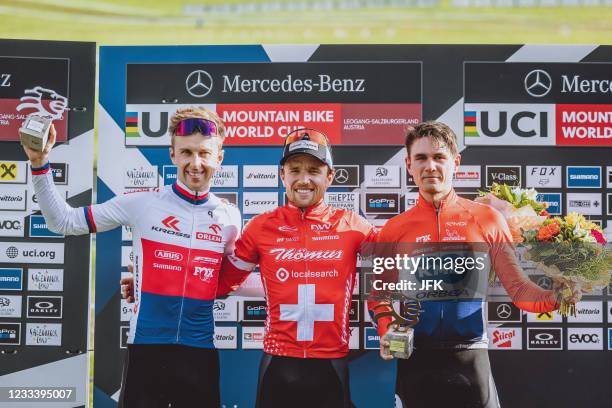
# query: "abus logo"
[[199, 83], [538, 83], [168, 255], [302, 254]]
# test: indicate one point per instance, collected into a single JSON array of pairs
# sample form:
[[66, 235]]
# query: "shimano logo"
[[302, 254], [322, 83], [168, 255]]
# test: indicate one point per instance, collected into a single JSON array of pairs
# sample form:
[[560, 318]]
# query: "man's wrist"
[[39, 166]]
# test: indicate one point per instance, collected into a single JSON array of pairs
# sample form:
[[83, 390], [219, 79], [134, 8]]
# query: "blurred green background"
[[117, 22]]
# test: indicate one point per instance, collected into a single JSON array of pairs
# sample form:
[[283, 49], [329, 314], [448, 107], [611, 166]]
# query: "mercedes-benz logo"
[[545, 283], [538, 83], [199, 83], [342, 176], [504, 311]]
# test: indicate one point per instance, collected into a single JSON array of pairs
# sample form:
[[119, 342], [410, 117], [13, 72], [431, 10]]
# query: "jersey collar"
[[314, 209], [449, 199], [191, 196]]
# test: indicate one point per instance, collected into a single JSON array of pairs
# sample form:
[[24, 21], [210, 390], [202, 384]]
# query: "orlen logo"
[[215, 228], [204, 236], [168, 255]]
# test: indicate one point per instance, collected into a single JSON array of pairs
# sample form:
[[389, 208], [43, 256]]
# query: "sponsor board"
[[587, 312], [127, 311], [254, 310], [12, 224], [610, 338], [609, 177], [354, 338], [140, 177], [503, 312], [609, 207], [39, 228], [225, 176], [10, 306], [13, 172], [225, 310], [410, 200], [584, 203], [584, 125], [258, 202], [541, 338], [354, 311], [510, 175], [579, 338], [371, 339], [583, 176], [47, 307], [226, 337], [382, 176], [59, 172], [543, 176], [127, 256], [544, 317], [346, 176], [11, 278], [124, 332], [47, 280], [126, 233], [467, 176], [10, 334], [43, 334], [507, 124], [13, 198], [29, 252], [169, 174], [260, 176], [505, 338], [33, 200], [381, 203], [252, 337], [553, 200], [347, 201], [231, 197]]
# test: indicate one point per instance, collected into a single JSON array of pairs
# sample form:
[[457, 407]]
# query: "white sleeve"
[[64, 219], [235, 220]]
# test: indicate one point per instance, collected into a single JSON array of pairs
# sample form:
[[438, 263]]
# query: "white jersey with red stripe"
[[307, 260], [179, 239]]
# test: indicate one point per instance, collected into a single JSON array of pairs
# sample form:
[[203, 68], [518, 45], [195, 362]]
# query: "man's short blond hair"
[[440, 134], [196, 112]]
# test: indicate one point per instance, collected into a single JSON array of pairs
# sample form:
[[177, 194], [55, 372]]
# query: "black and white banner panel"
[[44, 276], [532, 116]]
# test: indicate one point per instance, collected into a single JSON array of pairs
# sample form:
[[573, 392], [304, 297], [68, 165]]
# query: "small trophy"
[[35, 131], [401, 333]]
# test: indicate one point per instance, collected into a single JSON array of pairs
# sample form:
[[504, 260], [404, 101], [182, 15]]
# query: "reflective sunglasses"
[[307, 134], [189, 126]]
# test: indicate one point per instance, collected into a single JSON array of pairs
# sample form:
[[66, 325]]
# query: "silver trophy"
[[400, 334], [35, 131]]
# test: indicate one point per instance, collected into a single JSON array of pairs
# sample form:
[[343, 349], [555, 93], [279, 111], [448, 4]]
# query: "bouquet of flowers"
[[518, 206], [573, 252]]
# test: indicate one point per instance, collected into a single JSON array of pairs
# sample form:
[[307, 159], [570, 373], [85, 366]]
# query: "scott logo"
[[168, 255], [171, 222]]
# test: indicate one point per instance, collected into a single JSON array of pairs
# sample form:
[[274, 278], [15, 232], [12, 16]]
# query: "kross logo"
[[171, 222], [538, 83], [199, 83]]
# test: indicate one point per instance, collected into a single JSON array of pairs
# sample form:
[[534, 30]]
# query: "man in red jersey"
[[450, 364]]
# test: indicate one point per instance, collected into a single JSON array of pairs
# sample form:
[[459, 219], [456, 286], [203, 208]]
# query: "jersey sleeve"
[[380, 311], [237, 266], [64, 219], [524, 293]]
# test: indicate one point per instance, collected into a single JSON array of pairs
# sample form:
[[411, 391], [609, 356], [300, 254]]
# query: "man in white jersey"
[[180, 234]]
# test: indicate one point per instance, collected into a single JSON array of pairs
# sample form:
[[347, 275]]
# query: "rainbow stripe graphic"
[[469, 124], [131, 124]]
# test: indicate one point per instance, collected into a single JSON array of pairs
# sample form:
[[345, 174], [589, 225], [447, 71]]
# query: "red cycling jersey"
[[307, 260]]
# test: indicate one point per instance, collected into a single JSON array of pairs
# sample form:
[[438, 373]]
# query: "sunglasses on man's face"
[[188, 127], [306, 134]]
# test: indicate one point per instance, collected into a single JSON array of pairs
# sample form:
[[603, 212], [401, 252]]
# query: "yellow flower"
[[574, 218]]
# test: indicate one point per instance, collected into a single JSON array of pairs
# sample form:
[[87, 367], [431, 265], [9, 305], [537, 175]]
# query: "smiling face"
[[196, 158], [432, 166], [305, 179]]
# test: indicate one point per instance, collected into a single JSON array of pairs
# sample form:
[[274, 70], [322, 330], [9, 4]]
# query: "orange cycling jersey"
[[307, 259], [449, 324]]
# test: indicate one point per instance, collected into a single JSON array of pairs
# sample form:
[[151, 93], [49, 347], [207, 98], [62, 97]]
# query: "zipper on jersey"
[[185, 276], [439, 255], [303, 229]]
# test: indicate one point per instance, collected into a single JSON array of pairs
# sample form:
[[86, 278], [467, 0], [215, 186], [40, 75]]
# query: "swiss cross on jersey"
[[306, 312]]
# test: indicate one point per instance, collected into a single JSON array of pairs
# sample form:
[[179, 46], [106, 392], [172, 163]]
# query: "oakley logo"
[[538, 83], [199, 83], [168, 255], [171, 222]]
